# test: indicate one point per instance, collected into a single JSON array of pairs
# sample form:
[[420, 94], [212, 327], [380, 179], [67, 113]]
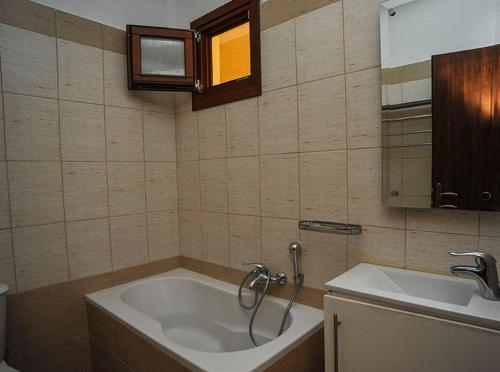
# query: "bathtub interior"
[[203, 318]]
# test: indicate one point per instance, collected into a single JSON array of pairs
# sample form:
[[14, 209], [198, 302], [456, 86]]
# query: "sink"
[[453, 297]]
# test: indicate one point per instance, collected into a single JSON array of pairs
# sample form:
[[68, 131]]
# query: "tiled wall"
[[87, 168], [308, 148]]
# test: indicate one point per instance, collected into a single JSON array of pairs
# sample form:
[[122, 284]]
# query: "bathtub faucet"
[[261, 275]]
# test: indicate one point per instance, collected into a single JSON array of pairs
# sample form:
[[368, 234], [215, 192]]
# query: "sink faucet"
[[484, 273], [262, 275]]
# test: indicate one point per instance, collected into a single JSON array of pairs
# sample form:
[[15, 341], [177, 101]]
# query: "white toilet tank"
[[3, 318]]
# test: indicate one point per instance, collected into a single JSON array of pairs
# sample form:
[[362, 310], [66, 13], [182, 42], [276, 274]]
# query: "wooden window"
[[218, 59]]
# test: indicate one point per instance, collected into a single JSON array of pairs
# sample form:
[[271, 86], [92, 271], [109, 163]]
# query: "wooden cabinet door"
[[373, 338]]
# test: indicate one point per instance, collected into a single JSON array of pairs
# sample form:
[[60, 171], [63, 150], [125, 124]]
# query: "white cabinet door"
[[373, 338]]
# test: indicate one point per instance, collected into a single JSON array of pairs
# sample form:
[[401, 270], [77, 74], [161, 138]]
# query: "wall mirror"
[[440, 63]]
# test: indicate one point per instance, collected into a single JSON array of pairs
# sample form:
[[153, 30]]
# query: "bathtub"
[[198, 321]]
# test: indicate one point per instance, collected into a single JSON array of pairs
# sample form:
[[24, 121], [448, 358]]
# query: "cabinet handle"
[[336, 324]]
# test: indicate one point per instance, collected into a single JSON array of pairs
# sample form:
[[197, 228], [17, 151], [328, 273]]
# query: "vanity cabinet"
[[372, 338]]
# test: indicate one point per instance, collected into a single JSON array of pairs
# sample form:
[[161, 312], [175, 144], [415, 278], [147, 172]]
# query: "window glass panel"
[[231, 54], [162, 56]]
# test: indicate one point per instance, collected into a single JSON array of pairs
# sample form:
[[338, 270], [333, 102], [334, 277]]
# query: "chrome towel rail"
[[405, 118], [330, 227]]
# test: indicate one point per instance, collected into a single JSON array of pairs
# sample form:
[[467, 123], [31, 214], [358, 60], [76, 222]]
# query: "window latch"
[[197, 36], [198, 86]]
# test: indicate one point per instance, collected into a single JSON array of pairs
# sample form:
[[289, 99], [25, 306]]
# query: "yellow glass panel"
[[231, 54]]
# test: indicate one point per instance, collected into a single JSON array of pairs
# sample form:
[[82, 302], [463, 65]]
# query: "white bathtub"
[[198, 321]]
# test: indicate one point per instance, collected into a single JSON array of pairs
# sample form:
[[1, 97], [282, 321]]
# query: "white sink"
[[440, 295]]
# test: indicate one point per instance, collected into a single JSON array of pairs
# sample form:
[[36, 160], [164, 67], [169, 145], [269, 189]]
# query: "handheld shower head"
[[296, 250]]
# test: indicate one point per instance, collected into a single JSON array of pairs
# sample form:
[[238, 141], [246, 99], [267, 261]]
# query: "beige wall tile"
[[306, 6], [438, 220], [126, 188], [4, 197], [188, 185], [35, 193], [89, 249], [129, 245], [378, 246], [190, 233], [242, 123], [278, 56], [215, 247], [244, 240], [365, 191], [213, 133], [158, 101], [363, 109], [277, 234], [161, 186], [163, 235], [322, 116], [362, 34], [323, 186], [28, 15], [492, 246], [114, 39], [490, 224], [85, 190], [7, 270], [2, 127], [278, 128], [183, 102], [159, 137], [31, 128], [82, 132], [29, 62], [124, 134], [320, 45], [243, 181], [80, 72], [78, 30], [116, 91], [213, 182], [40, 256], [276, 12], [279, 192], [187, 132], [428, 251], [324, 256]]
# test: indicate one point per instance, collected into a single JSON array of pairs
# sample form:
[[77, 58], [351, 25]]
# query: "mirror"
[[441, 134]]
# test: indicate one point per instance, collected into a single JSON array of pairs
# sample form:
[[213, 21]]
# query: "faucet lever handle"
[[259, 267], [481, 258]]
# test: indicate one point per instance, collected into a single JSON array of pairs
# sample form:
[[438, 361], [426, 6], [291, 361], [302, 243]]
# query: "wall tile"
[[324, 256], [242, 120], [188, 185], [362, 34], [124, 135], [378, 246], [244, 240], [278, 56], [89, 249], [428, 251], [213, 133], [243, 182], [323, 186], [276, 12], [114, 39], [35, 193], [2, 127], [116, 91], [80, 72], [363, 109], [320, 46], [490, 224], [190, 234], [4, 197], [32, 128], [278, 128], [28, 15], [365, 191], [322, 116], [159, 137], [40, 256], [183, 102], [79, 30], [158, 101], [161, 186], [277, 234], [215, 232], [186, 130], [7, 270], [29, 62], [213, 182], [163, 235], [279, 186], [129, 244], [438, 220], [85, 190], [306, 6], [126, 188], [82, 132]]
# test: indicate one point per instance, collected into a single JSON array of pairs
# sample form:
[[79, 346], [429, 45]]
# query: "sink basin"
[[453, 297]]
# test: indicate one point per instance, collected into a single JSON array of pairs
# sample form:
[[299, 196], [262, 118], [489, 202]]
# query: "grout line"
[[227, 189], [260, 179], [145, 178], [199, 183]]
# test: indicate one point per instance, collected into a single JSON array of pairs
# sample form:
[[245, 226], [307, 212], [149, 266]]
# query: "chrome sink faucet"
[[262, 275], [484, 273]]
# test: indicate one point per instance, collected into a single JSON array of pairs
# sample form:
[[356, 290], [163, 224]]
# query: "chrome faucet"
[[484, 273], [262, 275]]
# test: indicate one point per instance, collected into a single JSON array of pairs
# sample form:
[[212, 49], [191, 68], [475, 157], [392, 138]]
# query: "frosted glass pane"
[[162, 57]]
